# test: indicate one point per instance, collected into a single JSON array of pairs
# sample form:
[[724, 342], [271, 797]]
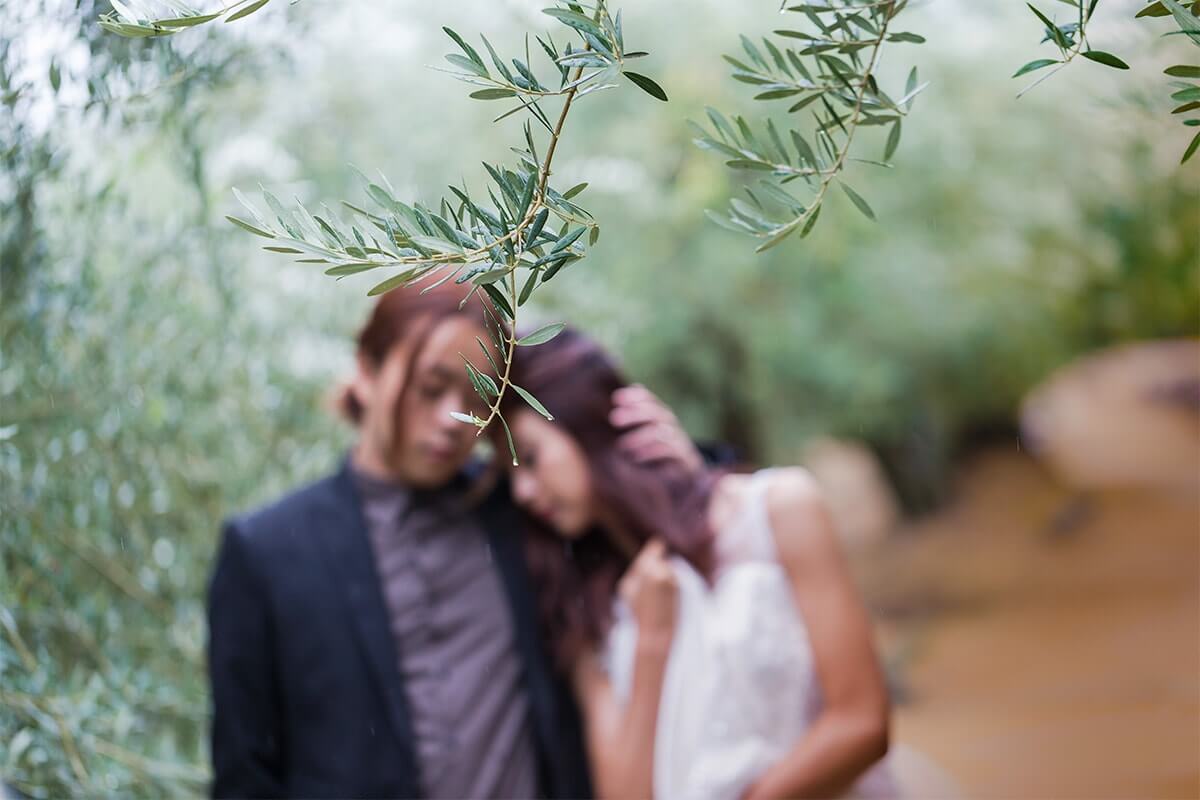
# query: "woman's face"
[[553, 481]]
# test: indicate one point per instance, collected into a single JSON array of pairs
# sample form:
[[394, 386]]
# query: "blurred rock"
[[1124, 417], [862, 502]]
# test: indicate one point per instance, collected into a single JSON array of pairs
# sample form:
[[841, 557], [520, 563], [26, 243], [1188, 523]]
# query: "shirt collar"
[[381, 491]]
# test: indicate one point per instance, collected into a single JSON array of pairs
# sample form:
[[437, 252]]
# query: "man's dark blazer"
[[308, 699]]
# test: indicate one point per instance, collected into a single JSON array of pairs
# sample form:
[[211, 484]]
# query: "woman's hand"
[[751, 792], [650, 590], [621, 734], [652, 432]]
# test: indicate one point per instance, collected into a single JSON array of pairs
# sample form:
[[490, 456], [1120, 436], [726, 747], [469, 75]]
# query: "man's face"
[[419, 443]]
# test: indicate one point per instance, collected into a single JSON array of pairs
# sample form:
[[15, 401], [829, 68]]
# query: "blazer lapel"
[[342, 532]]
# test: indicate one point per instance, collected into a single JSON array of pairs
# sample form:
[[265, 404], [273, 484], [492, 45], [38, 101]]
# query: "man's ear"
[[362, 385], [373, 379]]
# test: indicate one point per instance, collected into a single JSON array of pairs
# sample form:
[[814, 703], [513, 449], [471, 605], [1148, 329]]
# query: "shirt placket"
[[433, 629]]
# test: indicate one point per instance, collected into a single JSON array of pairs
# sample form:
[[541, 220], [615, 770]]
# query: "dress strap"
[[764, 535], [748, 537]]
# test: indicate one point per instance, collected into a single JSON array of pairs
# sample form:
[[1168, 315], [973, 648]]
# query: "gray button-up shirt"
[[454, 637]]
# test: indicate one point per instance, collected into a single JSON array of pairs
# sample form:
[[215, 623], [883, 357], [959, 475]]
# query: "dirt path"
[[1044, 647]]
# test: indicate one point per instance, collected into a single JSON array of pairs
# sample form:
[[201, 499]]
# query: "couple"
[[611, 617]]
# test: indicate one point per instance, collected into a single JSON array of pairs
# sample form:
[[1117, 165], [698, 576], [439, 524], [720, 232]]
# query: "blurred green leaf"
[[859, 202], [893, 141]]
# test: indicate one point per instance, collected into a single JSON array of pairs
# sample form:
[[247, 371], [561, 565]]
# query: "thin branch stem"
[[539, 196], [851, 128], [163, 770], [30, 705], [14, 636], [118, 576], [1068, 55], [72, 750], [1042, 78]]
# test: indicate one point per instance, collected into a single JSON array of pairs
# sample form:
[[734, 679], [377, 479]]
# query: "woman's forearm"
[[631, 769], [834, 752]]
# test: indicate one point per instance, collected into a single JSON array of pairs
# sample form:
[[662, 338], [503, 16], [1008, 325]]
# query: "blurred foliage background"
[[158, 371]]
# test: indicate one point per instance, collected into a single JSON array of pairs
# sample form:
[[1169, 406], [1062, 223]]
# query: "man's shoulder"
[[280, 521]]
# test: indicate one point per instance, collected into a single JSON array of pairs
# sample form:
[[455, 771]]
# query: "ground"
[[1043, 643]]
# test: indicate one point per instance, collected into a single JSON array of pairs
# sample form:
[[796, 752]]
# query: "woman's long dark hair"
[[576, 579]]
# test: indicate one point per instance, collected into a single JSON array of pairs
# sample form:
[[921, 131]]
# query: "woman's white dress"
[[741, 686]]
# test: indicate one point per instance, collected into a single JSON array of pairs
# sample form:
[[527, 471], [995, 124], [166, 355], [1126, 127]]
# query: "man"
[[374, 634]]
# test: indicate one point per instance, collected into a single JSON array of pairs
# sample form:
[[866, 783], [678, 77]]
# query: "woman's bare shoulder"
[[803, 529]]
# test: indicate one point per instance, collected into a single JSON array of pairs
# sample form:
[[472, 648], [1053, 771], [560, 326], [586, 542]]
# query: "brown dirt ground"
[[1043, 645]]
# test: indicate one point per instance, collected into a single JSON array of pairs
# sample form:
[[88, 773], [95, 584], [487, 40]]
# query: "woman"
[[708, 624]]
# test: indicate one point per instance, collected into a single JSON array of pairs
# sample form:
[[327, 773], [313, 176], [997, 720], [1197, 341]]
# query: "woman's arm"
[[851, 732], [620, 737]]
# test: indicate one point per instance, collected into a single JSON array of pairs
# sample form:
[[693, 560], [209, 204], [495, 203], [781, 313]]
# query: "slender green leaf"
[[646, 84], [575, 20], [1191, 149], [533, 401], [391, 283], [859, 201], [566, 240], [535, 227], [1034, 65], [500, 301], [542, 334], [247, 226], [485, 380], [493, 94], [512, 449], [467, 64], [247, 11], [466, 48], [893, 141], [1051, 28], [527, 289], [1107, 59]]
